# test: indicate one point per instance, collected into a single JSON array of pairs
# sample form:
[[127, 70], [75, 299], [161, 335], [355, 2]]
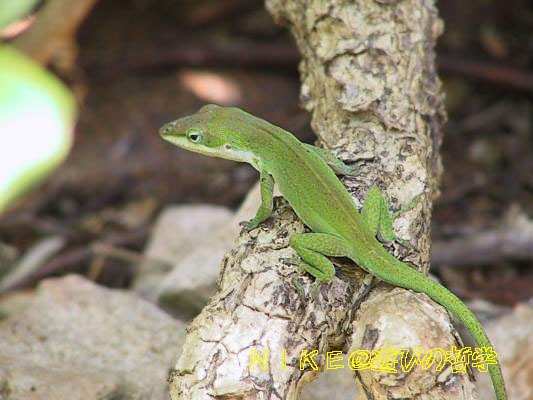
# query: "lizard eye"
[[195, 135]]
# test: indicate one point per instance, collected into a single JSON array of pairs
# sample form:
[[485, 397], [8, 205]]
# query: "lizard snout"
[[167, 129]]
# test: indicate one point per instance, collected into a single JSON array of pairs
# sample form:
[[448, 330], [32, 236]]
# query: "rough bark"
[[369, 81]]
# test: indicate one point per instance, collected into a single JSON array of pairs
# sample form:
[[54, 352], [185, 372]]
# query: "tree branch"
[[369, 80]]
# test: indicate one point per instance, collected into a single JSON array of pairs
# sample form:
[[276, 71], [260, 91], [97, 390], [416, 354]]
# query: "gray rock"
[[77, 340], [11, 303], [512, 338], [186, 289], [177, 232]]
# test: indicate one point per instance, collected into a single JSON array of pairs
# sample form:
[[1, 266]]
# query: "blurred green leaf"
[[37, 114]]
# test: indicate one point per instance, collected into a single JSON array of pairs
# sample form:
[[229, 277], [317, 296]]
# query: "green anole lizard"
[[306, 176]]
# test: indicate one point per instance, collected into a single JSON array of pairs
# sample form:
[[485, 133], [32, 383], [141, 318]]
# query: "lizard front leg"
[[337, 165], [266, 184]]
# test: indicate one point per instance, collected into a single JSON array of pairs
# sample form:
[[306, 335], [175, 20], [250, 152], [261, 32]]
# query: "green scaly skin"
[[305, 175]]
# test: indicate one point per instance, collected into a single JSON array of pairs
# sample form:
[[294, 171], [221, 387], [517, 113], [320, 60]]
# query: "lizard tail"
[[400, 274], [449, 300]]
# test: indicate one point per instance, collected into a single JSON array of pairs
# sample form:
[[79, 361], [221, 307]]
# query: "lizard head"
[[207, 132]]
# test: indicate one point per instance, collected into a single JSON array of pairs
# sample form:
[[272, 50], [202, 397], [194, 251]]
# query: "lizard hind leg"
[[378, 218], [313, 249], [376, 214]]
